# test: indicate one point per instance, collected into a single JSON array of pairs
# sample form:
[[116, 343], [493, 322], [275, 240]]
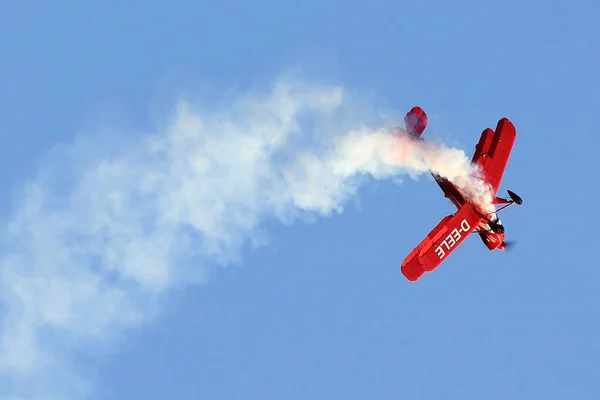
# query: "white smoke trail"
[[87, 255], [454, 165]]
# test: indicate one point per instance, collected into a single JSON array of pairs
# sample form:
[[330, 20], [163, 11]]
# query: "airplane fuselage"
[[490, 158], [490, 229]]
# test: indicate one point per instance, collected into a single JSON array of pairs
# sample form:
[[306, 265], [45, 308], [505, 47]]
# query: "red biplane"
[[491, 155]]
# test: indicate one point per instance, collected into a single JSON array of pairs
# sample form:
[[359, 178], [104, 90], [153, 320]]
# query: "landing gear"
[[490, 236], [515, 198]]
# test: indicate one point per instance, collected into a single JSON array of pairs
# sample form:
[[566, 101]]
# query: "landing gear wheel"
[[515, 198]]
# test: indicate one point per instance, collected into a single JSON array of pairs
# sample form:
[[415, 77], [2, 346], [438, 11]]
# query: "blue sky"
[[322, 310]]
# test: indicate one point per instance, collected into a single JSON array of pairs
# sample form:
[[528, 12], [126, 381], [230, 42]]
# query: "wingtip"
[[505, 123], [412, 270]]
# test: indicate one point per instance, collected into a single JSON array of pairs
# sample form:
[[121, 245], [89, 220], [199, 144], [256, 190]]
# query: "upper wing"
[[493, 151], [440, 242]]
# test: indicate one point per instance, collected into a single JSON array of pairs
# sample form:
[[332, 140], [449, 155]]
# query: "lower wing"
[[440, 242]]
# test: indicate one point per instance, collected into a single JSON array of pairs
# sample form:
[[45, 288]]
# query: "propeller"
[[509, 244]]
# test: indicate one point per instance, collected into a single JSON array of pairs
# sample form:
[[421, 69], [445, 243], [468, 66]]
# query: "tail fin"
[[416, 121]]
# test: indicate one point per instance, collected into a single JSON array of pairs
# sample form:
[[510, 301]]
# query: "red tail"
[[416, 121]]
